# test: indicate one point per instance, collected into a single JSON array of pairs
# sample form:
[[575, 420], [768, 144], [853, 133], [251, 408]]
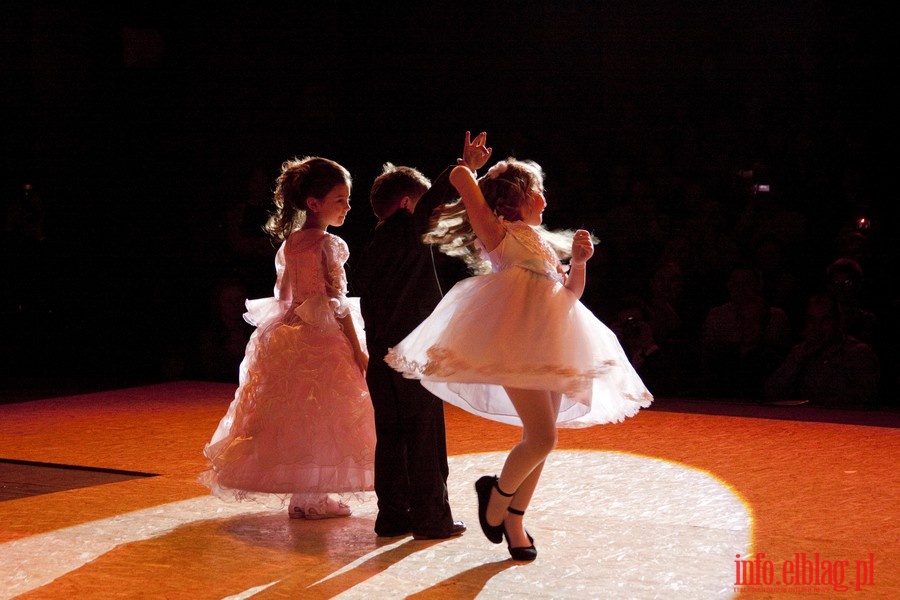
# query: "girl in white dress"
[[301, 424], [516, 344]]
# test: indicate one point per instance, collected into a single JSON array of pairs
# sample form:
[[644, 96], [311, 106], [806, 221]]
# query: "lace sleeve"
[[335, 254]]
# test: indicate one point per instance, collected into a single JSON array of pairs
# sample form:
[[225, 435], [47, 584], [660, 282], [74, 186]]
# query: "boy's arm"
[[475, 155], [440, 192]]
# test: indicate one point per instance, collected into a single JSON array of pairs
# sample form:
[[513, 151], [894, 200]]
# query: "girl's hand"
[[475, 154], [582, 247]]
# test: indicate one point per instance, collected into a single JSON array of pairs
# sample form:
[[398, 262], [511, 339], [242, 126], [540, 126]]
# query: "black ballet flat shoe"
[[483, 487], [520, 552]]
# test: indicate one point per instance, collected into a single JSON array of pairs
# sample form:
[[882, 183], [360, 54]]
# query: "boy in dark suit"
[[399, 280]]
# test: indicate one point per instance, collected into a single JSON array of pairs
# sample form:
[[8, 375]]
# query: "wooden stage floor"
[[100, 500]]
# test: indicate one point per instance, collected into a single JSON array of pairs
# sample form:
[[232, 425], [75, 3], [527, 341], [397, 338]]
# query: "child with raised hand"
[[301, 425], [516, 345], [400, 279]]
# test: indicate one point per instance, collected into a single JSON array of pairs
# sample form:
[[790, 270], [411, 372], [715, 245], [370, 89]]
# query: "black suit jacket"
[[400, 279]]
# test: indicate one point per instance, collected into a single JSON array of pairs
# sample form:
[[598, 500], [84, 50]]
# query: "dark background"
[[139, 126]]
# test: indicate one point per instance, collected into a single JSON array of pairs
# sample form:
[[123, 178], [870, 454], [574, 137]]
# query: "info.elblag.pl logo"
[[802, 573]]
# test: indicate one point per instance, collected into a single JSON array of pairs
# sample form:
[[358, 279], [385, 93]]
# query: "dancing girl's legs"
[[538, 410]]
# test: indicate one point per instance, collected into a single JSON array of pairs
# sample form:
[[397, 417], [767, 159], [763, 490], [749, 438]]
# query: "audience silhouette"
[[827, 367], [742, 339]]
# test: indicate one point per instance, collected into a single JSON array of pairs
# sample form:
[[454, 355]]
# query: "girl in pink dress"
[[301, 424], [516, 345]]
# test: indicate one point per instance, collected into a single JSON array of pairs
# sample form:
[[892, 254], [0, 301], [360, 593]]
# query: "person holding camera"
[[656, 364]]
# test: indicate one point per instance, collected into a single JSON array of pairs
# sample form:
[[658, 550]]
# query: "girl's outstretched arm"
[[484, 222]]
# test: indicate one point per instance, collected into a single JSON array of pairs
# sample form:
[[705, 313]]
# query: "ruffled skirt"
[[521, 329], [301, 420]]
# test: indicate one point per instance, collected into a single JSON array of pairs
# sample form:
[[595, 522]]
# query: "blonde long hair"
[[508, 187]]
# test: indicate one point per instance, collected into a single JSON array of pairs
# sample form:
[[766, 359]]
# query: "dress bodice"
[[310, 285], [311, 263], [523, 247]]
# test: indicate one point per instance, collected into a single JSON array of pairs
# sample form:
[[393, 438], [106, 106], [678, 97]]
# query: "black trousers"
[[410, 454]]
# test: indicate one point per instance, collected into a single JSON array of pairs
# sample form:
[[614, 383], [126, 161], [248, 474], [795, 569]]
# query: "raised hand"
[[475, 153], [582, 247]]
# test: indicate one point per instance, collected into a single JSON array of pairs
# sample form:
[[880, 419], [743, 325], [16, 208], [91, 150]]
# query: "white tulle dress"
[[519, 326], [301, 420]]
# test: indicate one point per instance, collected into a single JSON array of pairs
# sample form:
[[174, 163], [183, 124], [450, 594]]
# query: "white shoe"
[[328, 508], [325, 508], [296, 509]]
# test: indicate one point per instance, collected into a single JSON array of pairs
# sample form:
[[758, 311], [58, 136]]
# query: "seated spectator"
[[827, 368], [845, 283], [665, 302], [249, 248], [666, 370], [783, 286], [222, 341], [742, 340]]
